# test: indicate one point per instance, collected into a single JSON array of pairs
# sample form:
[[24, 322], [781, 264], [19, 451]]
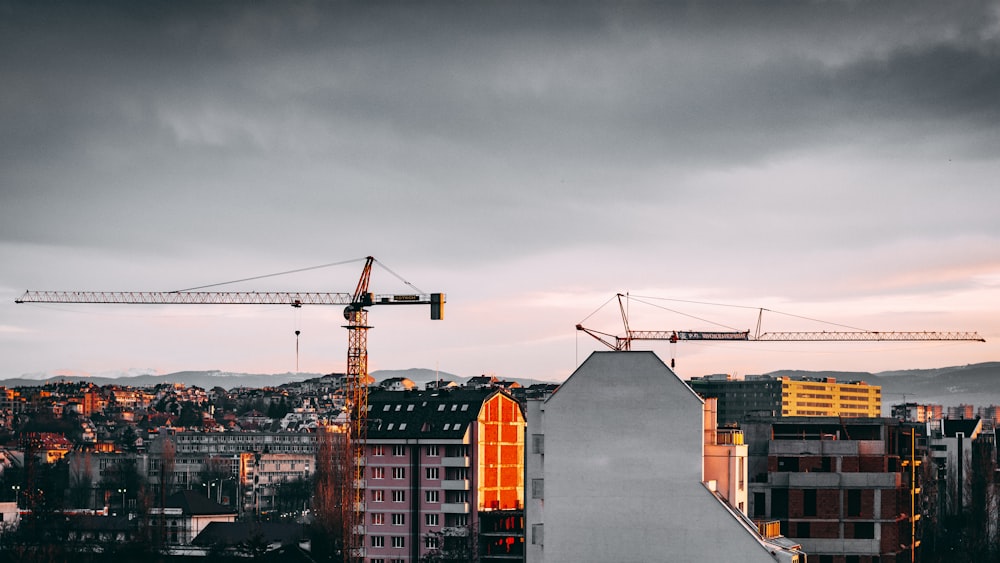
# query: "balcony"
[[836, 480], [822, 545], [461, 461], [729, 437], [455, 507], [768, 528], [826, 447], [455, 484]]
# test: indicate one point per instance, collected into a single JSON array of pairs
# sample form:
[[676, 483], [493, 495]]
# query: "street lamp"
[[123, 491], [17, 494]]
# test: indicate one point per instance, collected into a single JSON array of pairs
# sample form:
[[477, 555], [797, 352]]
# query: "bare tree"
[[81, 484], [983, 502], [330, 492]]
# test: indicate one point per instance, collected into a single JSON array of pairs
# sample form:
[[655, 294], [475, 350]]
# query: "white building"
[[616, 471]]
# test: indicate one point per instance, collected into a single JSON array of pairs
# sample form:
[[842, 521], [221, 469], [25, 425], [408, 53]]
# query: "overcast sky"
[[831, 160]]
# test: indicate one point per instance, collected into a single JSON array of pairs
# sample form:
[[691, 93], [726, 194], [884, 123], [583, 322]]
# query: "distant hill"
[[974, 384], [227, 380], [204, 379]]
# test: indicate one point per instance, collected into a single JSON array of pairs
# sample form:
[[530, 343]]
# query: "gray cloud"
[[780, 142]]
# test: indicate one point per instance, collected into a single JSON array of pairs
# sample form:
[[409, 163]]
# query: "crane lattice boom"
[[814, 336], [356, 315], [617, 342], [293, 298]]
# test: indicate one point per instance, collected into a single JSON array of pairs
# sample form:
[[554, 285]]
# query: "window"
[[432, 473], [431, 519], [399, 450], [864, 530], [399, 473], [398, 541], [779, 503], [378, 473], [537, 534], [431, 542], [808, 503], [399, 496], [758, 505], [378, 450], [432, 451], [538, 443], [854, 502], [378, 518], [398, 519], [788, 464], [431, 496], [378, 495], [802, 529], [378, 541], [538, 488]]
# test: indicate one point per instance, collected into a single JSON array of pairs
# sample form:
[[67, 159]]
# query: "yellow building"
[[826, 397], [767, 395]]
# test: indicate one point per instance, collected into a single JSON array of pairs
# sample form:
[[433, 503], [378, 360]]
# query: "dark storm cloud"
[[138, 117]]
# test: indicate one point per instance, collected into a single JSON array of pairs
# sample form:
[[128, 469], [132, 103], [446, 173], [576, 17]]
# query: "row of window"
[[397, 472], [430, 542], [399, 495], [378, 519], [409, 407], [378, 450], [431, 473], [397, 541]]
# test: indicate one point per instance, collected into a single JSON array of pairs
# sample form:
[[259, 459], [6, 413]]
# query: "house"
[[398, 384], [243, 538], [617, 471], [186, 513], [10, 516]]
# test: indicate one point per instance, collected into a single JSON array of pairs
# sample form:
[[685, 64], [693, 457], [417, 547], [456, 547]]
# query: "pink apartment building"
[[444, 476]]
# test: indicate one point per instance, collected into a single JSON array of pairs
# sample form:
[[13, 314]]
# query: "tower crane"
[[624, 341], [355, 313]]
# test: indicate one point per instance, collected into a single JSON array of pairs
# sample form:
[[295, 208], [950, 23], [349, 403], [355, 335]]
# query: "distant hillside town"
[[623, 461]]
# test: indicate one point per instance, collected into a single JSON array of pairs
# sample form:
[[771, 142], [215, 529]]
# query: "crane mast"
[[356, 315]]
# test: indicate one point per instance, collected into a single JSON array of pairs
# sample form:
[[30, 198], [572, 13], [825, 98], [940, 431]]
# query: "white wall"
[[623, 470]]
